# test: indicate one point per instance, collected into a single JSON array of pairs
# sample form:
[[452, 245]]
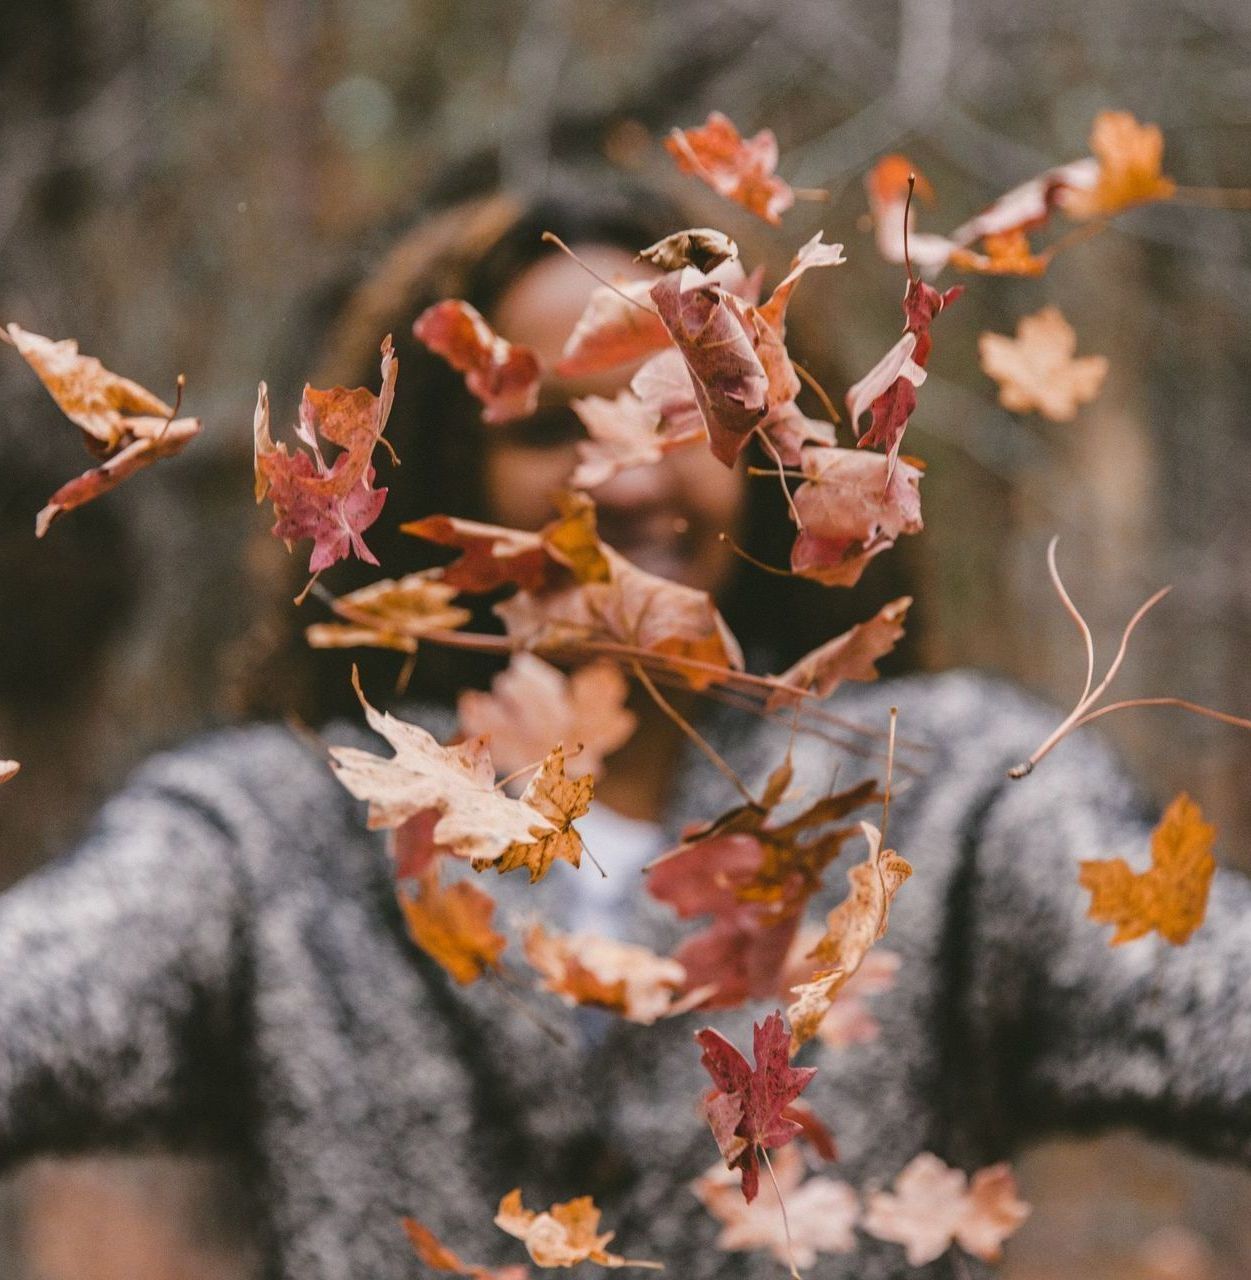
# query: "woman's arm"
[[1061, 1030], [116, 990]]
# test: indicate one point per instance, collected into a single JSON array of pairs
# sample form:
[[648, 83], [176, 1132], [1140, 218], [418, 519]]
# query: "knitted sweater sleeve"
[[1059, 1030], [116, 971]]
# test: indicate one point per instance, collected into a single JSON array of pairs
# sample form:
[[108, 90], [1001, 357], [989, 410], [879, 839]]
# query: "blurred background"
[[186, 183]]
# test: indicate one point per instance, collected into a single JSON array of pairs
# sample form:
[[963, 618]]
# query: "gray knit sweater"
[[222, 961]]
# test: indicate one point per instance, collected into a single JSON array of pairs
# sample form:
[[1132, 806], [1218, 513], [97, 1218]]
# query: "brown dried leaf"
[[561, 801], [703, 248], [563, 1235], [436, 1255], [391, 614], [1131, 157], [452, 925], [741, 169]]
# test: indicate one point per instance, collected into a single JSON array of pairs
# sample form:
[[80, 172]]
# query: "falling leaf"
[[740, 169], [503, 376], [851, 512], [122, 423], [887, 187], [452, 925], [1038, 369], [436, 1255], [619, 326], [475, 822], [821, 1212], [713, 332], [563, 1235], [1172, 895], [624, 433], [8, 770], [851, 656], [664, 388], [934, 1206], [1130, 158], [562, 801], [703, 248], [851, 929], [391, 614], [1008, 253], [332, 504], [746, 1108], [531, 702], [584, 969]]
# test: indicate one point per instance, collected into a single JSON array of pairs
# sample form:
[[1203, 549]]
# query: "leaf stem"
[[786, 1223]]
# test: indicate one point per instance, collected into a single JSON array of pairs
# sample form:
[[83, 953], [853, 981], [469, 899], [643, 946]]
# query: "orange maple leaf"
[[563, 1235], [1130, 157], [1038, 369], [741, 169], [436, 1255], [452, 925], [1172, 896]]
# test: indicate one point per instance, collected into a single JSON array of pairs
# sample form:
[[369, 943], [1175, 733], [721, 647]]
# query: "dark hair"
[[474, 249]]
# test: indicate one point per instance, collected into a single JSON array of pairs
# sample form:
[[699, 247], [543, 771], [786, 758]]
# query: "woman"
[[223, 957]]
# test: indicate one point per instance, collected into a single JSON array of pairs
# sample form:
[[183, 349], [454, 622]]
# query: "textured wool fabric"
[[222, 962]]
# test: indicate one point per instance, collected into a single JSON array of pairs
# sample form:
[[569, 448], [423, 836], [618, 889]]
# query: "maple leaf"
[[1130, 157], [624, 433], [531, 702], [821, 1212], [703, 248], [619, 326], [122, 423], [740, 169], [503, 376], [475, 821], [738, 956], [1007, 253], [563, 1235], [851, 929], [9, 769], [436, 1255], [850, 656], [716, 338], [664, 387], [853, 507], [452, 925], [584, 969], [561, 801], [391, 614], [1172, 895], [746, 1108], [934, 1206], [1039, 370], [331, 503]]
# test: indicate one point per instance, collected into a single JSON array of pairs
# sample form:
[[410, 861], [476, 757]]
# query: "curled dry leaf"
[[504, 377], [934, 1206], [713, 332], [853, 507], [391, 614], [740, 169], [1038, 369], [123, 424], [436, 1255], [333, 504], [1172, 895], [746, 1110], [475, 821], [851, 929], [822, 1213], [626, 432], [664, 387], [563, 1235], [1130, 157], [452, 925], [703, 248], [531, 702], [584, 969], [619, 326], [9, 769], [851, 656], [562, 801]]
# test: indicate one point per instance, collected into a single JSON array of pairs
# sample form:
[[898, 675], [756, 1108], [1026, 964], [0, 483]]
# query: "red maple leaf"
[[332, 503], [741, 169], [746, 1109]]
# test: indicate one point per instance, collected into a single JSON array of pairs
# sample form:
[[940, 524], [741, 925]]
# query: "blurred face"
[[666, 517]]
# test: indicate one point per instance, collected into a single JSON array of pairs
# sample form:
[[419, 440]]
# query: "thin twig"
[[763, 437], [786, 1224], [1223, 716], [550, 237], [751, 559], [692, 733], [818, 390], [1075, 614], [1214, 197], [890, 772]]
